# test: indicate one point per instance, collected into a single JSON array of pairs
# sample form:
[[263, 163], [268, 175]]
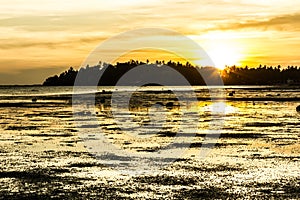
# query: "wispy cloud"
[[282, 23], [66, 43]]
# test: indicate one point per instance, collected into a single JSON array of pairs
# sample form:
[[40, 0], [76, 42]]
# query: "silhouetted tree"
[[231, 75]]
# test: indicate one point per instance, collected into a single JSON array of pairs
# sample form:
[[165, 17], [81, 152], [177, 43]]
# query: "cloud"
[[20, 43], [281, 23], [68, 23]]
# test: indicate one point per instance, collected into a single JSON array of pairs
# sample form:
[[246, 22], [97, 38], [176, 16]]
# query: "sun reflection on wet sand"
[[257, 153]]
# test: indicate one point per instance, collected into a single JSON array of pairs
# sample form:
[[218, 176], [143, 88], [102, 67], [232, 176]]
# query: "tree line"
[[110, 74], [261, 75]]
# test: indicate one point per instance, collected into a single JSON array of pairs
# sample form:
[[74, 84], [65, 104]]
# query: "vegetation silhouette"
[[261, 75], [231, 75]]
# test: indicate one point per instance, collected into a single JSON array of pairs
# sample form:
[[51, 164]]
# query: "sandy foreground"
[[257, 156]]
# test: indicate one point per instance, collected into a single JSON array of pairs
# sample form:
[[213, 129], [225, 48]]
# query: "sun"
[[223, 54]]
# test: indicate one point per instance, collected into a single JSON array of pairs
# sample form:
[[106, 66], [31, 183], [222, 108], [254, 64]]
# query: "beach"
[[45, 153]]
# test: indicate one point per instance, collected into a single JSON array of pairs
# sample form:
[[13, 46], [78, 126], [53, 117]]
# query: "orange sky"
[[42, 38]]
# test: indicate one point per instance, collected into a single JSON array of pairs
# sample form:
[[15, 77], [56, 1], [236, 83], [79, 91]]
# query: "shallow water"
[[45, 151]]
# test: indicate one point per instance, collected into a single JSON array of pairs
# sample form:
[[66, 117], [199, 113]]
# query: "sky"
[[40, 38]]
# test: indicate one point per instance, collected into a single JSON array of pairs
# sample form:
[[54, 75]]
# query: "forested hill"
[[261, 75]]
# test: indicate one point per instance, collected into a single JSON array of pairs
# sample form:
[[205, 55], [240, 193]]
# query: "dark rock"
[[298, 108], [169, 105], [159, 103]]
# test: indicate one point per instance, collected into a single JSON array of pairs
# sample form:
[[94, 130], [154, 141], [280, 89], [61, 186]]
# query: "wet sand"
[[257, 155]]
